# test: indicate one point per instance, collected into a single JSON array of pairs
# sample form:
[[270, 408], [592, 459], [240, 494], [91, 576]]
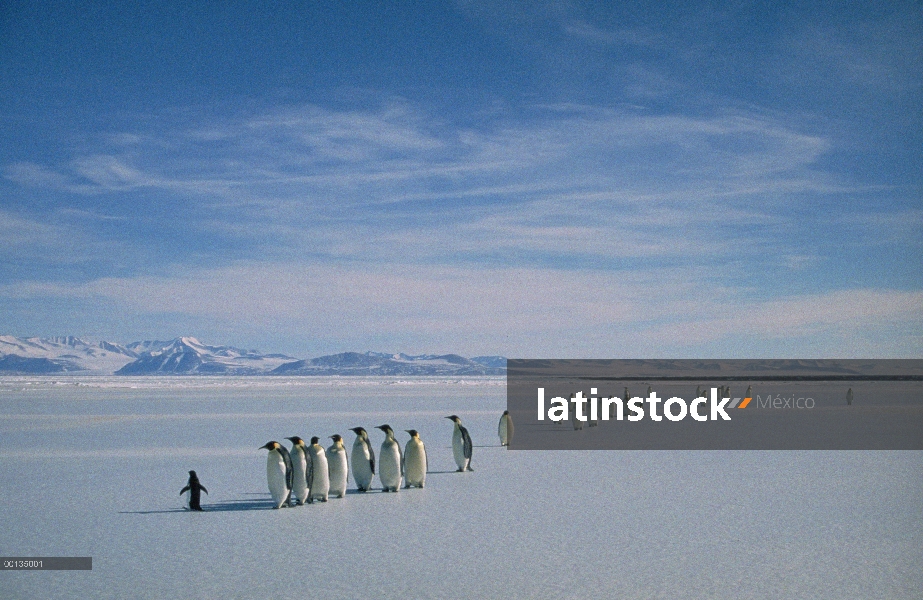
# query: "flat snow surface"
[[93, 467]]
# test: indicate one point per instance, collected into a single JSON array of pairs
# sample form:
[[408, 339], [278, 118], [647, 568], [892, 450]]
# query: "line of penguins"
[[308, 472]]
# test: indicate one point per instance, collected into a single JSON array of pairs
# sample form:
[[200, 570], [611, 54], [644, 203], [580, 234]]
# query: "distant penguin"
[[650, 391], [279, 473], [319, 484], [849, 397], [363, 460], [505, 428], [338, 466], [193, 491], [300, 467], [698, 391], [390, 461], [461, 445], [627, 396], [414, 460], [749, 392]]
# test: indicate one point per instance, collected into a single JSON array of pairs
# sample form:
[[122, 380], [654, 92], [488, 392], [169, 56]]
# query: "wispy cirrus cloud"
[[294, 151], [422, 307]]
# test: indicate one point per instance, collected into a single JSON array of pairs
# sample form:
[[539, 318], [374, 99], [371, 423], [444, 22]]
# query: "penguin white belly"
[[189, 499], [415, 464], [503, 430], [389, 469], [458, 450], [362, 471], [320, 484], [338, 467], [275, 476], [300, 468]]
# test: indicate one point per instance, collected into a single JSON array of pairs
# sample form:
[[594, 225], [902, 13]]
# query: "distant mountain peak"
[[187, 355]]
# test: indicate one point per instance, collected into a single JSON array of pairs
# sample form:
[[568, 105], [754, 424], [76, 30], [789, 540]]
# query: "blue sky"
[[532, 179]]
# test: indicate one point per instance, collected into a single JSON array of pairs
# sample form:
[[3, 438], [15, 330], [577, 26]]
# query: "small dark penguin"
[[193, 491]]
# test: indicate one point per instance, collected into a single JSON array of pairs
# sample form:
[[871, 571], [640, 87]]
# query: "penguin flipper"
[[184, 490], [466, 441], [371, 450], [309, 474], [289, 468], [202, 487]]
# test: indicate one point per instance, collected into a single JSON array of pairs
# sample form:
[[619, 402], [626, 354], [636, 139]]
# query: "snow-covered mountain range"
[[189, 356], [377, 363]]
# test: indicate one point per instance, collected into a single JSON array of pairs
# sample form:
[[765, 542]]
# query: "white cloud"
[[534, 312]]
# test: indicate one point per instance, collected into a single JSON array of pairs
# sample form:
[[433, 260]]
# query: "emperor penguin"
[[390, 461], [319, 483], [363, 459], [338, 466], [279, 473], [461, 445], [193, 491], [301, 466], [415, 464], [505, 428]]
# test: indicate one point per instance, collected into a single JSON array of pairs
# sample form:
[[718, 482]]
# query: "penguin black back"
[[195, 489]]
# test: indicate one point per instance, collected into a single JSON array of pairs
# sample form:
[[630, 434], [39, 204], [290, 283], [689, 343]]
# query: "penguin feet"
[[460, 471]]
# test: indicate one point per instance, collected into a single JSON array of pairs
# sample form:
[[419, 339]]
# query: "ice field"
[[93, 467]]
